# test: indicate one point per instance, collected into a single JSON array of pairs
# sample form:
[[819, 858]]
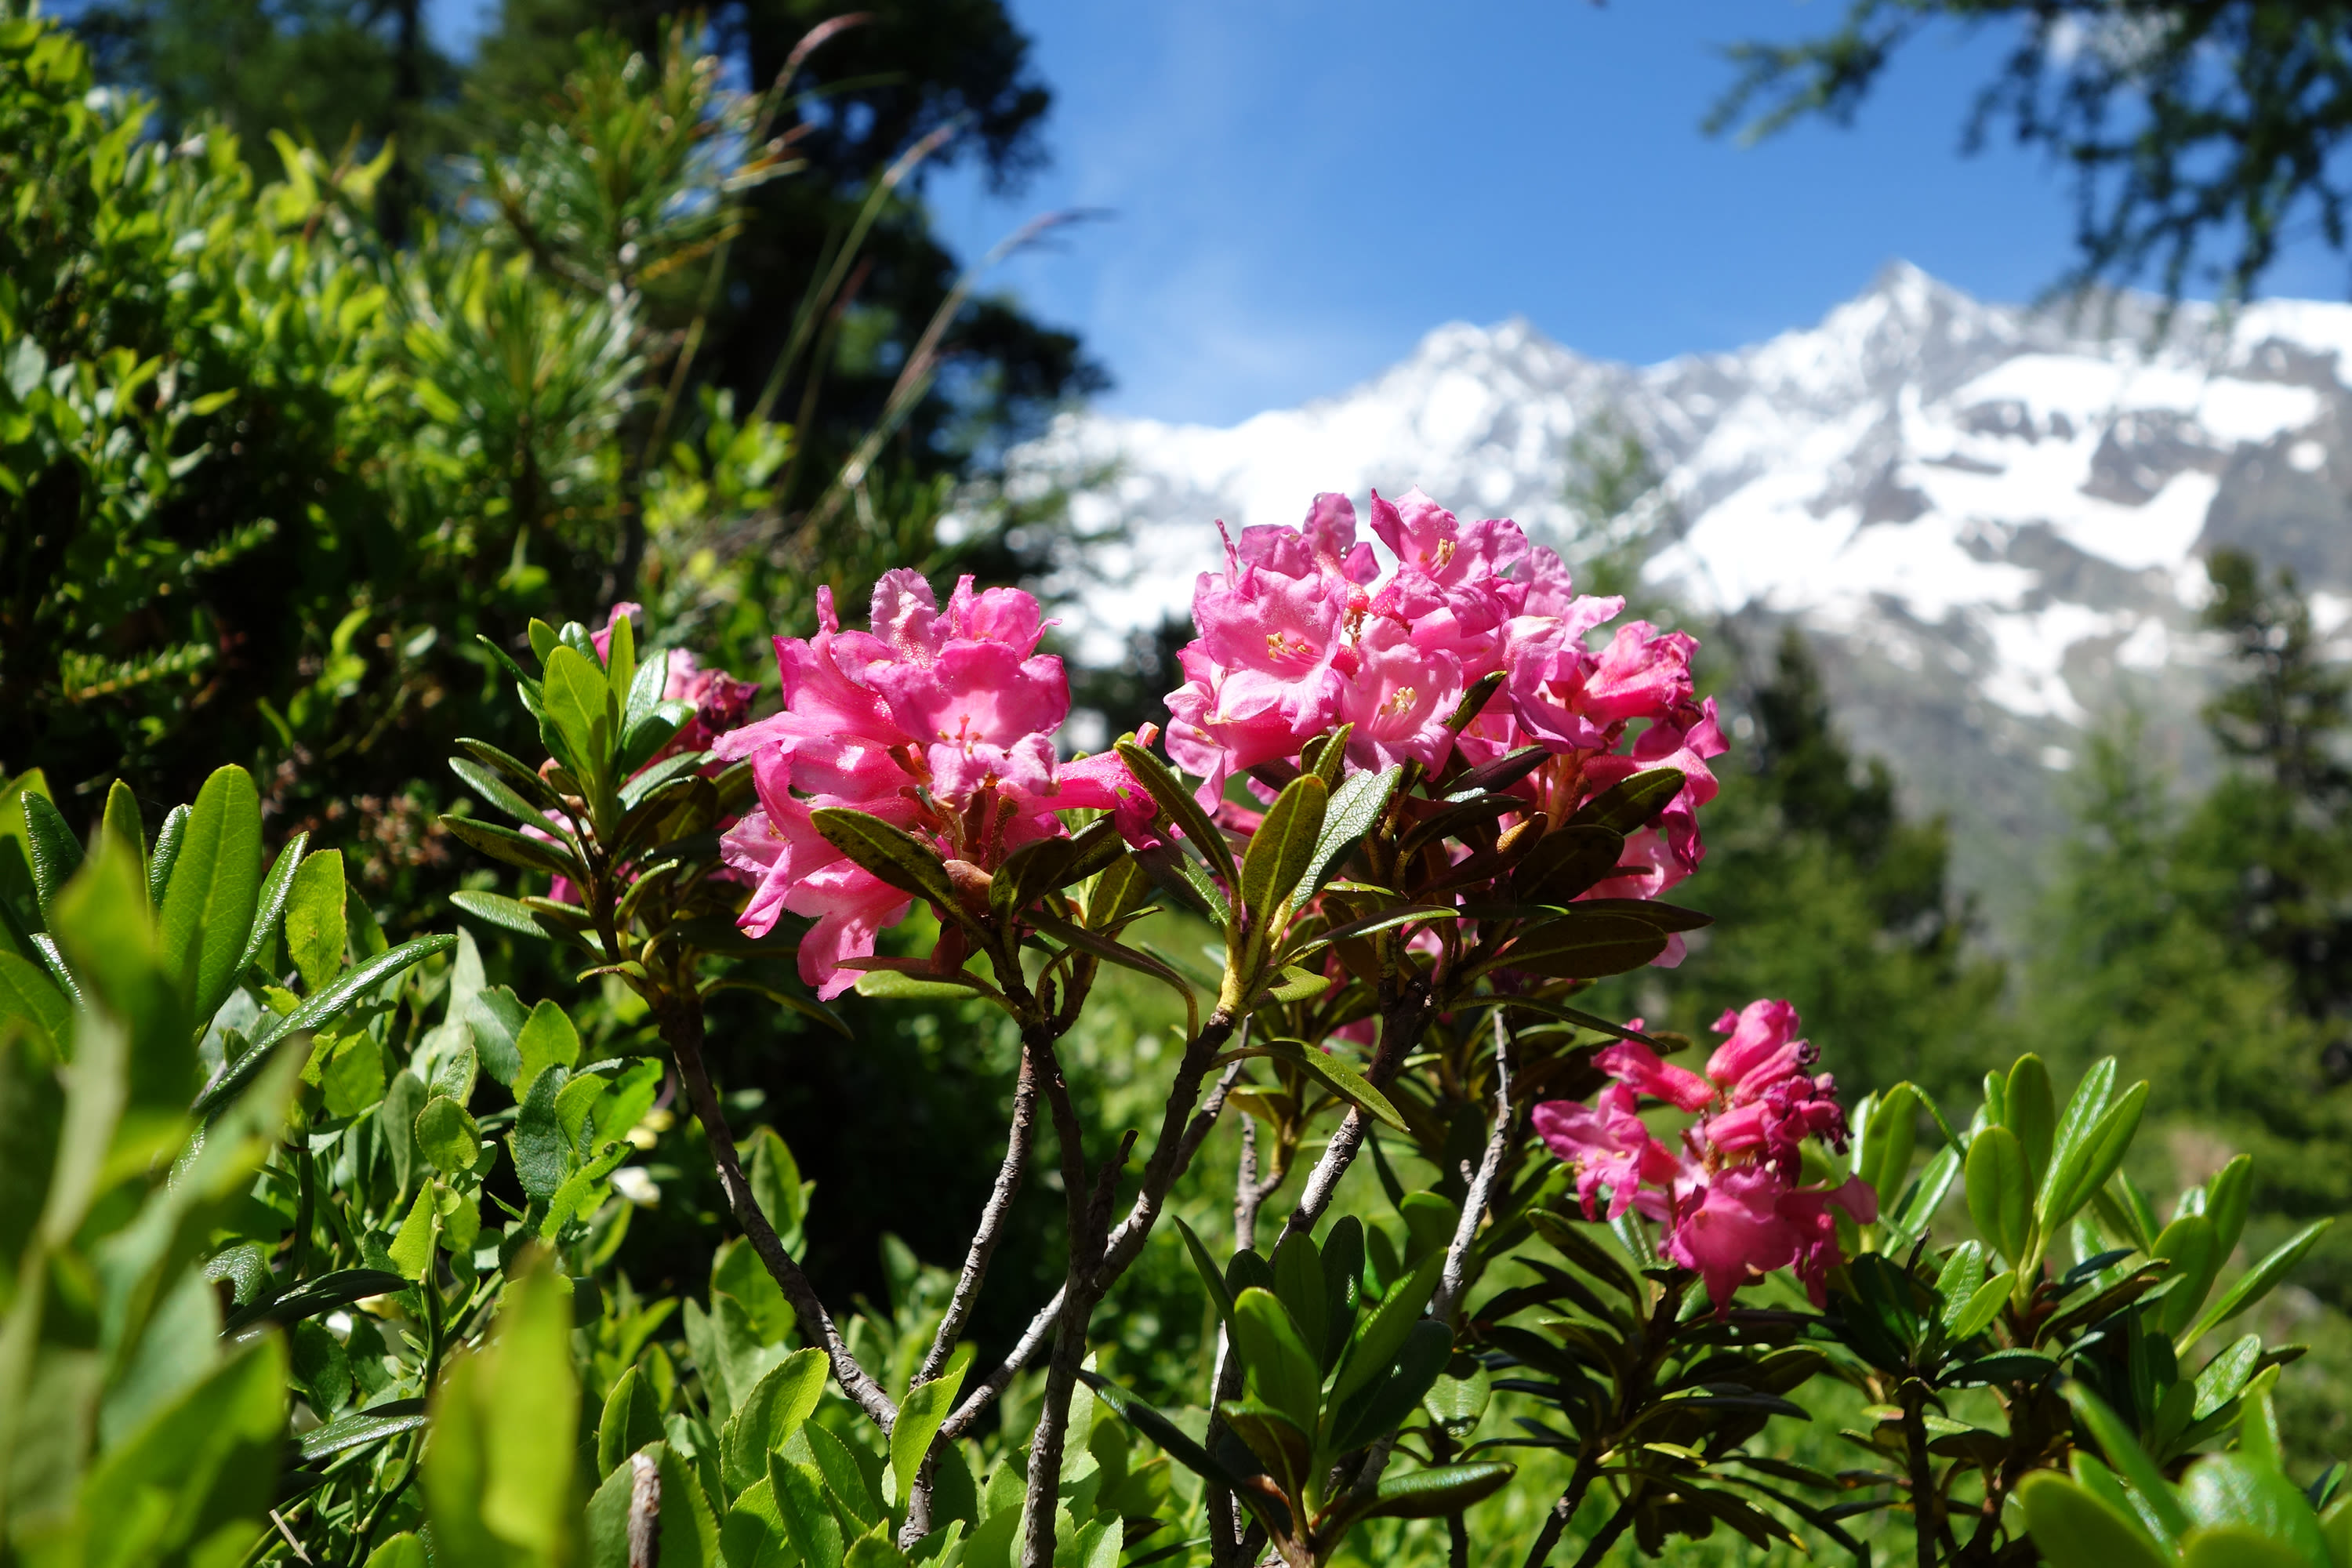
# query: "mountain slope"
[[1990, 519]]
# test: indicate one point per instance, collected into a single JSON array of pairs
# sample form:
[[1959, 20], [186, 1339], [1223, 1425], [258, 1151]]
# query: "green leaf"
[[2226, 1198], [2030, 1109], [546, 1039], [581, 705], [362, 1427], [27, 993], [1188, 814], [1385, 920], [1287, 1452], [1387, 1402], [2237, 1546], [353, 1077], [2000, 1192], [1566, 861], [497, 1017], [269, 909], [166, 853], [2258, 1281], [1583, 947], [54, 852], [1283, 848], [2161, 1510], [904, 985], [774, 1409], [121, 822], [1883, 1158], [2093, 1158], [1977, 1313], [498, 910], [315, 932], [1334, 1073], [2188, 1245], [2234, 1492], [800, 1493], [2070, 1525], [403, 1551], [215, 881], [920, 1415], [517, 849], [412, 1249], [631, 1419], [446, 1136], [317, 1012], [1437, 1491], [893, 854], [1632, 803], [1298, 1284], [1356, 809], [1281, 1368], [1381, 1335], [542, 1158]]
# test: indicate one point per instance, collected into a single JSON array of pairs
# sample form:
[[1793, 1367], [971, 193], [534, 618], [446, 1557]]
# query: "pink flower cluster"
[[939, 723], [1298, 635], [1729, 1201]]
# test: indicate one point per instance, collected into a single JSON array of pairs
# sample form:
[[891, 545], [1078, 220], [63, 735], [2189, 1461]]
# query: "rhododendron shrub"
[[1421, 798]]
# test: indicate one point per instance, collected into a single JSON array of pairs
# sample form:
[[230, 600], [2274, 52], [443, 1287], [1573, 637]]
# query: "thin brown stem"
[[1078, 1298], [1579, 1483], [681, 1024], [1450, 1283], [1019, 1139], [1226, 1527]]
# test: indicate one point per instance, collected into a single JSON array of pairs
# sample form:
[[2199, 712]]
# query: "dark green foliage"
[[2201, 134]]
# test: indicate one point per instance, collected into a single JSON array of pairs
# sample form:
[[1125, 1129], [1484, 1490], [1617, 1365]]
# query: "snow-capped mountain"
[[1992, 519]]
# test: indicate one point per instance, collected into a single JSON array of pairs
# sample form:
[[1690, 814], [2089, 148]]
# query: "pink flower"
[[1731, 1202], [1730, 1231], [938, 721], [1636, 1067], [1806, 1211], [1607, 1145]]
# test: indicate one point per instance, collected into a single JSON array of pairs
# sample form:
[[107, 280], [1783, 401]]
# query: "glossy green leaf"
[[2237, 1546], [216, 883], [2222, 1491], [1983, 1304], [1286, 1451], [577, 700], [318, 1011], [1387, 1402], [1300, 1285], [1178, 801], [1438, 1491], [800, 1493], [1584, 947], [546, 1039], [1381, 1334], [2069, 1525], [315, 930], [1280, 1368], [631, 1419], [2188, 1245], [28, 994], [1282, 850], [769, 1414], [52, 847], [269, 907], [2258, 1281], [893, 854], [1883, 1157], [2030, 1111], [2000, 1192], [516, 848], [446, 1136], [1357, 805], [166, 853], [2161, 1511], [2090, 1162], [1631, 803], [921, 1413]]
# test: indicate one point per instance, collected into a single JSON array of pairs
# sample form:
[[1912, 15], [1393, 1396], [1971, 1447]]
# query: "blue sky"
[[1298, 190]]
